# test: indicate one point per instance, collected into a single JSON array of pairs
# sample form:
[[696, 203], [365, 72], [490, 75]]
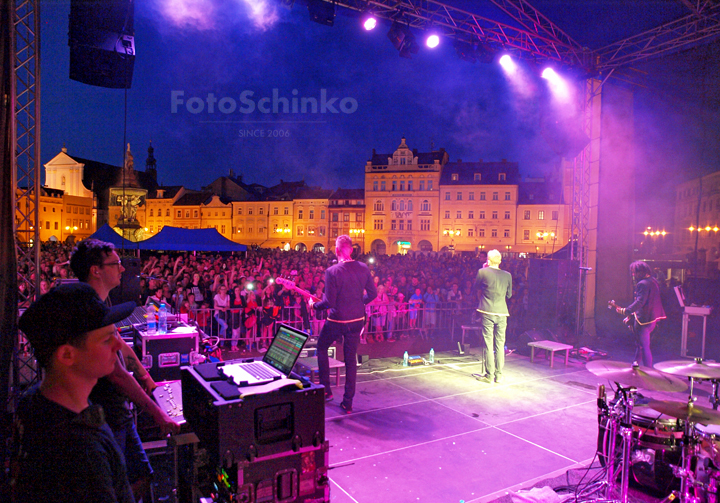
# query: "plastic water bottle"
[[405, 359], [151, 325], [432, 356], [162, 319]]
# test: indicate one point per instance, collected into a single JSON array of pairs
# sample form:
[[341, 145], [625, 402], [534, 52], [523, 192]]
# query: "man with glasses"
[[97, 263]]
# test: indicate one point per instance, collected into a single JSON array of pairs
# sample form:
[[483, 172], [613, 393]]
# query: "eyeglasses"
[[110, 264]]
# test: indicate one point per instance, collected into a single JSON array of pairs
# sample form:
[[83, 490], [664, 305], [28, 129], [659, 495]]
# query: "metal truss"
[[534, 37], [26, 168], [703, 24]]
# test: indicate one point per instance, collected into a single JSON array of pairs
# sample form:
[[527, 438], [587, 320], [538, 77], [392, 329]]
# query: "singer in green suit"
[[495, 287]]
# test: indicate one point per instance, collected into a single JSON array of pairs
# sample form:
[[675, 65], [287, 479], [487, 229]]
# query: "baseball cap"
[[64, 314]]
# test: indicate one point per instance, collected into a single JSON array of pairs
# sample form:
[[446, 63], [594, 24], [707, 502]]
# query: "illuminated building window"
[[393, 225], [526, 235], [493, 233], [541, 215]]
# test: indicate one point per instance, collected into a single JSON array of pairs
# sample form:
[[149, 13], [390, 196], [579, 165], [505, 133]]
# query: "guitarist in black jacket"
[[647, 309]]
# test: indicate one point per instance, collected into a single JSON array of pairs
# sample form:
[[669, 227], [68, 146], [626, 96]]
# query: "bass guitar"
[[629, 320], [290, 285]]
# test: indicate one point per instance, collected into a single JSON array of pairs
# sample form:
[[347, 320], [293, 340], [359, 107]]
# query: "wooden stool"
[[310, 363], [551, 347]]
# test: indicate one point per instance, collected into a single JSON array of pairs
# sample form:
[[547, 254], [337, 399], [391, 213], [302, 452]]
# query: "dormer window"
[[501, 177], [455, 177], [476, 177]]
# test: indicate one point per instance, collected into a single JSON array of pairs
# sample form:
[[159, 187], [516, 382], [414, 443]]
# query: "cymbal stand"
[[620, 421], [714, 399], [685, 471]]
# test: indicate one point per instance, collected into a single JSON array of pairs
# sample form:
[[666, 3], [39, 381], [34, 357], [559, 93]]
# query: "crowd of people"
[[236, 297]]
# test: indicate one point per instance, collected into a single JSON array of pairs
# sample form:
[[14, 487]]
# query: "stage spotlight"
[[322, 12], [370, 22], [432, 41], [557, 84], [508, 64], [402, 40], [550, 75]]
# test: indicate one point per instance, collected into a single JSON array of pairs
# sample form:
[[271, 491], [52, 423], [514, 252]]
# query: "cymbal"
[[693, 413], [696, 369], [639, 377]]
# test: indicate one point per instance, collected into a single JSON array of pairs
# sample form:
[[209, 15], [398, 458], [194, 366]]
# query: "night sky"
[[230, 49]]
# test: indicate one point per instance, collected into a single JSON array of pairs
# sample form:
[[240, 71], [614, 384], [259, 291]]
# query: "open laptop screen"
[[285, 348]]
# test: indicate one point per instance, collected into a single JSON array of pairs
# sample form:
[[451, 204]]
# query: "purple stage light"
[[370, 23], [432, 41], [557, 84], [508, 64], [550, 75]]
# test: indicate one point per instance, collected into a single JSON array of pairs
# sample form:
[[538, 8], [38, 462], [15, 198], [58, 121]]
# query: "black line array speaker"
[[102, 42], [553, 292]]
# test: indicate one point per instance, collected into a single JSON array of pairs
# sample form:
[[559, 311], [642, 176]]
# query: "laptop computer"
[[277, 363]]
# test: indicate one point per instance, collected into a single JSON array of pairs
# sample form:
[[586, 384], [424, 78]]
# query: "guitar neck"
[[291, 286]]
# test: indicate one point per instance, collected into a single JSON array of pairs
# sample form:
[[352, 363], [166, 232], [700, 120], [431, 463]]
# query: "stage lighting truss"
[[322, 12]]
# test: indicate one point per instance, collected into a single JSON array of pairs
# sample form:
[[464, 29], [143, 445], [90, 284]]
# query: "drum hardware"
[[635, 376]]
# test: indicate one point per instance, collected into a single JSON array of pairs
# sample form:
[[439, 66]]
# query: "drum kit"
[[663, 445]]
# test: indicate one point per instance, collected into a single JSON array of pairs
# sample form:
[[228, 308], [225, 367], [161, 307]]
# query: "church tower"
[[151, 163]]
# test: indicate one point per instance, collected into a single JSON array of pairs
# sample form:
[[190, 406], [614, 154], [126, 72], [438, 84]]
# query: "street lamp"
[[452, 234]]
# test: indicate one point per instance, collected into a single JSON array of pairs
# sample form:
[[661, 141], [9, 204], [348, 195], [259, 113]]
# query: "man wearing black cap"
[[64, 450]]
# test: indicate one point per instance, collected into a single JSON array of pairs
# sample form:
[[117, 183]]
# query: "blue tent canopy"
[[177, 239], [107, 234]]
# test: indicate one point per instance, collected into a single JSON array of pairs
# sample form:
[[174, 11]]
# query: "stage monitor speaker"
[[102, 42], [129, 289]]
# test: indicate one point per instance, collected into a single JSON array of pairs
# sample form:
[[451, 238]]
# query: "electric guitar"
[[290, 285], [629, 320]]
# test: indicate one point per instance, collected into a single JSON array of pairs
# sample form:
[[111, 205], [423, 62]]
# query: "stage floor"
[[437, 434]]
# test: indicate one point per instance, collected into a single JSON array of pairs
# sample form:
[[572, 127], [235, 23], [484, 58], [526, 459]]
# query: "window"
[[481, 215], [393, 225], [300, 230], [240, 212], [222, 229], [375, 185], [346, 217], [358, 217], [410, 185], [409, 225], [482, 196], [481, 233], [471, 214], [429, 184], [250, 211], [541, 215], [261, 211], [454, 177], [335, 217], [151, 212], [56, 224], [554, 215], [379, 205], [47, 224], [300, 214], [382, 185], [402, 225], [62, 181], [394, 185], [322, 214], [470, 232], [459, 196], [476, 177], [493, 233], [447, 196], [216, 213], [286, 210], [526, 215], [409, 205], [458, 232], [334, 233], [311, 215], [393, 205], [506, 233], [378, 224], [501, 177], [507, 196], [422, 185], [321, 230], [526, 235], [150, 228], [507, 215], [402, 185], [424, 225], [495, 196], [458, 214], [167, 213], [471, 196], [494, 215], [187, 213], [447, 213], [75, 209], [179, 213], [425, 205], [401, 205], [275, 211], [195, 213]]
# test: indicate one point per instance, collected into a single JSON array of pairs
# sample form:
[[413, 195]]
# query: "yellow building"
[[186, 210], [346, 213], [402, 200], [543, 218], [250, 222], [159, 207], [280, 224], [310, 208], [697, 218], [217, 212]]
